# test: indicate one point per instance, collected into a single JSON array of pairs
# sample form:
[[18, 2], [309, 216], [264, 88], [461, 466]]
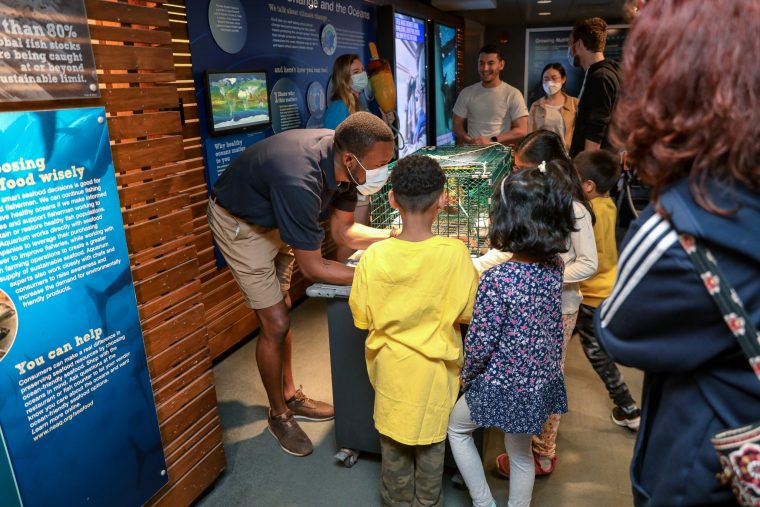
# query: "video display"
[[237, 101], [411, 85], [445, 82]]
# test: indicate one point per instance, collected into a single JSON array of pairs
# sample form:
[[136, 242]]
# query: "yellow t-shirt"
[[411, 296], [597, 288]]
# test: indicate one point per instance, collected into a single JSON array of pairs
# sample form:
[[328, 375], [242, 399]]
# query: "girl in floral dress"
[[512, 373]]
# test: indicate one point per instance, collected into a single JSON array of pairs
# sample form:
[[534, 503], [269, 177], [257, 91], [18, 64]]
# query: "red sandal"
[[502, 465]]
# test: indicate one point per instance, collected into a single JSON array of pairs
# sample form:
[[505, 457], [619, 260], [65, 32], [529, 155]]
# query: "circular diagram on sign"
[[329, 39], [315, 99], [228, 24], [8, 323]]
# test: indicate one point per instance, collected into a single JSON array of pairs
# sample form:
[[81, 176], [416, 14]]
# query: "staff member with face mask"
[[555, 111], [264, 214]]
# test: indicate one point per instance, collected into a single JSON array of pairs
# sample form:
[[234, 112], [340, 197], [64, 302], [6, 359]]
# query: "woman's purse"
[[739, 448]]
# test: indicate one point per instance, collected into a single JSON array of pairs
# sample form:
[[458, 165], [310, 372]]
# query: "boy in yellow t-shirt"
[[410, 292], [599, 171]]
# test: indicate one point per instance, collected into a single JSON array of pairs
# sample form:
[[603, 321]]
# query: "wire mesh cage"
[[471, 172]]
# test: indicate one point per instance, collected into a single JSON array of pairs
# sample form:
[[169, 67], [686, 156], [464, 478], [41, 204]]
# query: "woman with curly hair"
[[689, 117]]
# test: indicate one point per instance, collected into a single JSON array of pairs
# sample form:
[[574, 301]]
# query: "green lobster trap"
[[471, 172]]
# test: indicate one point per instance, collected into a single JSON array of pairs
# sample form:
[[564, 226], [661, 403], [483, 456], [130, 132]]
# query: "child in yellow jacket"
[[410, 292]]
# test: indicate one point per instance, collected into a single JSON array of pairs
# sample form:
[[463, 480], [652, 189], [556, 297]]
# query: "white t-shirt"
[[490, 111]]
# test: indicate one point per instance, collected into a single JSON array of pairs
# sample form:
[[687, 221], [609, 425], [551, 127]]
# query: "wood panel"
[[160, 230], [132, 57], [140, 99], [130, 155], [120, 34], [143, 125], [137, 72], [123, 12]]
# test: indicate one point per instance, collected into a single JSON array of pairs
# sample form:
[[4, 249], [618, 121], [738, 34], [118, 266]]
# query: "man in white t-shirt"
[[490, 111]]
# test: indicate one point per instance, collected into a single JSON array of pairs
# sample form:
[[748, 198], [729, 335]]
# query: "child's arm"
[[488, 320], [470, 287], [490, 259], [586, 262], [358, 298]]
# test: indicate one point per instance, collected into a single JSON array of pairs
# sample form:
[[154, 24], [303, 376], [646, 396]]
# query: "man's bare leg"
[[270, 353]]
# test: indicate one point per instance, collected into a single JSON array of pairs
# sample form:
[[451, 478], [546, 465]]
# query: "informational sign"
[[45, 51], [411, 82], [295, 42], [77, 416], [549, 45], [445, 65]]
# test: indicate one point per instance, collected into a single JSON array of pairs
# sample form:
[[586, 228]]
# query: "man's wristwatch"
[[494, 139]]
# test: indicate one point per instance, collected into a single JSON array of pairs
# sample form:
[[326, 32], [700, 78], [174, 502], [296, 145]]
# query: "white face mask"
[[375, 179], [359, 82], [551, 87]]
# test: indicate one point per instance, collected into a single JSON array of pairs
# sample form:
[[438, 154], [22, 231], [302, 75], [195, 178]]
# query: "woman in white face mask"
[[555, 111], [349, 80]]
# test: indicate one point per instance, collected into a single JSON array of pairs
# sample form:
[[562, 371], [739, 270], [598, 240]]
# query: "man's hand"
[[318, 269], [481, 140]]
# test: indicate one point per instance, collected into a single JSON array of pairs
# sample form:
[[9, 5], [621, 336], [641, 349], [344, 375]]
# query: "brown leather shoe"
[[289, 435], [304, 407]]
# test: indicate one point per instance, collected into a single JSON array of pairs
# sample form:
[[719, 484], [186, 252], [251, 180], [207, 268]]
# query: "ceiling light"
[[544, 13], [544, 1]]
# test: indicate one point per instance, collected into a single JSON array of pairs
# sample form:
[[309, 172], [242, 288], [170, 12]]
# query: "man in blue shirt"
[[264, 214]]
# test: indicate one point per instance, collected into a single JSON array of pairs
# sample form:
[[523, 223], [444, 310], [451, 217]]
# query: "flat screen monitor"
[[237, 101], [445, 63], [411, 86]]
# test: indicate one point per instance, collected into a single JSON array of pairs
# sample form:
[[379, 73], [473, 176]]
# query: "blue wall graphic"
[[295, 41], [76, 406]]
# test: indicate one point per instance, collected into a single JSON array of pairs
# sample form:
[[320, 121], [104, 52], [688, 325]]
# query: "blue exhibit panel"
[[76, 404]]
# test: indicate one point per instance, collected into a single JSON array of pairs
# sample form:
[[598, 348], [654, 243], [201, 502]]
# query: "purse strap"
[[727, 299]]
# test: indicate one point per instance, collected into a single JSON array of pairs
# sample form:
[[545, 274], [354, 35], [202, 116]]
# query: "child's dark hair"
[[545, 146], [600, 166], [542, 146], [417, 182], [532, 213]]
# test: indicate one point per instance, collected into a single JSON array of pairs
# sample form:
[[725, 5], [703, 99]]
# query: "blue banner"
[[76, 404], [295, 42]]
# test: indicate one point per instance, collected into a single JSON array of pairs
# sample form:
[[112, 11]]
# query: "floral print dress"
[[513, 350]]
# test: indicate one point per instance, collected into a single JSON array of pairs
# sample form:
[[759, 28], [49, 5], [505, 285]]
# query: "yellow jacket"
[[597, 288]]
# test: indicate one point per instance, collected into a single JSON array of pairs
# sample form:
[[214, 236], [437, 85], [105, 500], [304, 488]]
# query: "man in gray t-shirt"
[[492, 110]]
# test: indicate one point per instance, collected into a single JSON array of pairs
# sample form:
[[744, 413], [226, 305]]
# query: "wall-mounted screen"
[[445, 63], [237, 101], [411, 86]]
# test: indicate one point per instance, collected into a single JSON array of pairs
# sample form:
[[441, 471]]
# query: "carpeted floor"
[[593, 453]]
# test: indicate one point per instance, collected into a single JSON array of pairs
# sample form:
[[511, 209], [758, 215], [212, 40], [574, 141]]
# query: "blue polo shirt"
[[286, 181]]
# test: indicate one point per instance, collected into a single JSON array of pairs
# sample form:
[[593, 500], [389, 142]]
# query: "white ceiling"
[[526, 12]]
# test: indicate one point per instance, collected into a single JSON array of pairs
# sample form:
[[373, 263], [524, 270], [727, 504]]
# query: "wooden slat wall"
[[227, 319], [157, 181], [161, 189]]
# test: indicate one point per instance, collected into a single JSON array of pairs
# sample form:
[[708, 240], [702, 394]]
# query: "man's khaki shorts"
[[260, 262]]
